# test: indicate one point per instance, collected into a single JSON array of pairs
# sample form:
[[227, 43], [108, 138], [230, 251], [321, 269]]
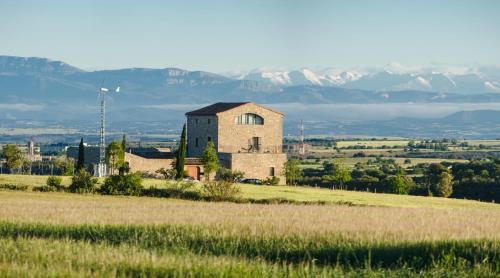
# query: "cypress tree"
[[181, 155], [81, 156], [210, 160], [123, 150]]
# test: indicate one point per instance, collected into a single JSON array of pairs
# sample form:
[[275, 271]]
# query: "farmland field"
[[54, 234], [351, 161], [403, 143], [373, 143]]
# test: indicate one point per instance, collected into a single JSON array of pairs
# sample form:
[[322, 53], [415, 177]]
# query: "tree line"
[[478, 180]]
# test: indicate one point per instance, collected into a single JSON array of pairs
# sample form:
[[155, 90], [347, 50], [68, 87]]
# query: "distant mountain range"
[[467, 81], [39, 88], [480, 124]]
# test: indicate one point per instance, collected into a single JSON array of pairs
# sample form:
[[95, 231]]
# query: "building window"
[[209, 139], [255, 144], [196, 142], [271, 172], [249, 119], [196, 121], [208, 121]]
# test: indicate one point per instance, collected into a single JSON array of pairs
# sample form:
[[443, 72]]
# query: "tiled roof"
[[215, 108], [221, 107], [151, 153]]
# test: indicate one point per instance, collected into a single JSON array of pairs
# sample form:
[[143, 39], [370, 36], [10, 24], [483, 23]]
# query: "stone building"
[[248, 137], [146, 160]]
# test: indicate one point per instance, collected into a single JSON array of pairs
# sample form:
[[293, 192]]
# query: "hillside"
[[42, 89]]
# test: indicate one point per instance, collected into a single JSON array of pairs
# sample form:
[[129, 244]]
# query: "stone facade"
[[200, 129], [248, 137], [149, 165], [256, 165]]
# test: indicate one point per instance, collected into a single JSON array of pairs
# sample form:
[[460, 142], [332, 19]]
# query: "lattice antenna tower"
[[101, 170]]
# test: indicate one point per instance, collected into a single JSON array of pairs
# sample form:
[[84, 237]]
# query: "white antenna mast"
[[101, 169]]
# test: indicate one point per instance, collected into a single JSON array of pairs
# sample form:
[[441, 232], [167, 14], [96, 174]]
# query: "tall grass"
[[362, 223], [332, 250], [67, 258], [62, 234]]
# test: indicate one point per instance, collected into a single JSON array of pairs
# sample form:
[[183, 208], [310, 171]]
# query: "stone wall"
[[255, 165], [234, 138], [199, 128], [150, 165]]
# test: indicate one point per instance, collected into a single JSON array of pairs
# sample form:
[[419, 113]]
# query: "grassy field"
[[65, 234], [300, 193], [44, 234], [489, 143]]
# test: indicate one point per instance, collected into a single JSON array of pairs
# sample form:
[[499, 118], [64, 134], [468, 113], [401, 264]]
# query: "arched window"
[[249, 119]]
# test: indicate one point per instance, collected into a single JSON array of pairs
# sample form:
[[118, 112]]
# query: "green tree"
[[181, 155], [66, 165], [399, 184], [113, 154], [210, 160], [13, 157], [437, 183], [337, 173], [80, 164], [292, 171], [445, 185], [70, 167], [124, 149]]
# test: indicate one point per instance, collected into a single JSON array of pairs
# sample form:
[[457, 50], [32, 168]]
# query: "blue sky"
[[228, 35]]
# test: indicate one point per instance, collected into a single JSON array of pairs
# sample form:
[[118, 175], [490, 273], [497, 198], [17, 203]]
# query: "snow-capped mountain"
[[38, 88], [393, 77], [303, 76]]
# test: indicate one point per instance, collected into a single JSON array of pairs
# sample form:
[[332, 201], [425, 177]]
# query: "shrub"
[[170, 193], [129, 184], [229, 175], [220, 191], [272, 181], [54, 182], [14, 187], [83, 182], [44, 188], [167, 174], [147, 175], [182, 189]]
